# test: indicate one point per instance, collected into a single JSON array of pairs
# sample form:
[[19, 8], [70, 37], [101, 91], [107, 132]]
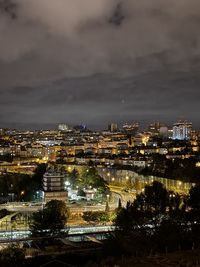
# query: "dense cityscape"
[[91, 179]]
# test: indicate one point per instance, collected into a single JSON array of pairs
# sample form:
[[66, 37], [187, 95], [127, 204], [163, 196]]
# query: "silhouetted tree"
[[168, 236], [12, 256], [38, 175], [74, 178], [51, 221], [143, 223], [194, 197], [119, 203]]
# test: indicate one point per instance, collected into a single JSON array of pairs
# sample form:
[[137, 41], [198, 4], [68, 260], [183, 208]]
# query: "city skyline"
[[141, 125]]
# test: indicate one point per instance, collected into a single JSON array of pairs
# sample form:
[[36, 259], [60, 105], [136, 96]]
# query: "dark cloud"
[[95, 61], [156, 96]]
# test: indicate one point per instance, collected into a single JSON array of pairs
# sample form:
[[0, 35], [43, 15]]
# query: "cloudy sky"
[[98, 61]]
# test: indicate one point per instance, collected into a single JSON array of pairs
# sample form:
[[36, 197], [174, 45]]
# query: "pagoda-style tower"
[[54, 185]]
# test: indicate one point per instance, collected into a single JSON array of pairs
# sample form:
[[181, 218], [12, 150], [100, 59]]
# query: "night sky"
[[99, 61]]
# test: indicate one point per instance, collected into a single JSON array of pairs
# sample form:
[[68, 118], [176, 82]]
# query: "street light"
[[69, 168], [108, 197], [108, 174], [67, 183], [37, 195]]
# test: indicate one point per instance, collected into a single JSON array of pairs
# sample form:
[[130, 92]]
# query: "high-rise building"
[[54, 185], [154, 128], [164, 131], [81, 128], [131, 128], [63, 127], [182, 130], [113, 127]]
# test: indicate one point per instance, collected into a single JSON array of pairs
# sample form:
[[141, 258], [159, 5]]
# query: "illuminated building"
[[131, 128], [164, 131], [157, 128], [182, 130], [63, 127], [113, 127], [54, 185]]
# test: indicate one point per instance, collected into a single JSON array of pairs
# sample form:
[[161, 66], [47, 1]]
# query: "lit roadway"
[[15, 235], [118, 192], [74, 208]]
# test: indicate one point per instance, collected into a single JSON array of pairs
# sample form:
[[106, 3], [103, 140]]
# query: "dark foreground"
[[94, 256]]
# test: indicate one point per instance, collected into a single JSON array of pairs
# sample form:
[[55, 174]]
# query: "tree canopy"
[[160, 220], [89, 177], [51, 221], [96, 216], [23, 186], [12, 256]]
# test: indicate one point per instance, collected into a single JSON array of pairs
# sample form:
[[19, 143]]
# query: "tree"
[[156, 196], [12, 256], [168, 236], [90, 178], [73, 178], [51, 221], [149, 208], [16, 184], [194, 197], [193, 214], [154, 201], [38, 175], [119, 203], [140, 223], [96, 216], [159, 220], [131, 234], [3, 213], [130, 218]]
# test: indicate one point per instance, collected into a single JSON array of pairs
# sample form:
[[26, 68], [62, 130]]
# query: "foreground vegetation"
[[50, 222], [22, 186], [158, 221]]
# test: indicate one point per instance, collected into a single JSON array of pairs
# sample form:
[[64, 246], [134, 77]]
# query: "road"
[[74, 230], [124, 196], [117, 192], [19, 207]]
